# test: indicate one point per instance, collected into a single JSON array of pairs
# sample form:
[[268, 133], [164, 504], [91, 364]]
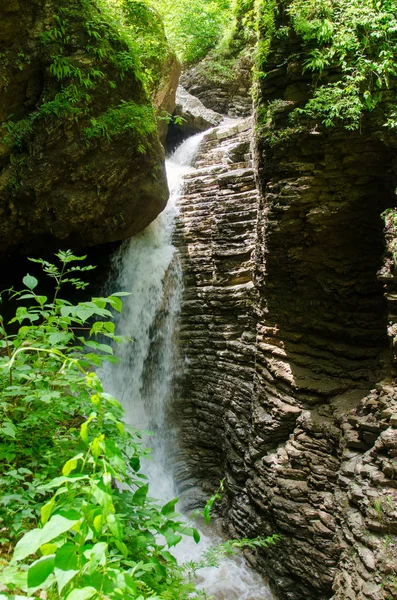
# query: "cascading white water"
[[148, 267]]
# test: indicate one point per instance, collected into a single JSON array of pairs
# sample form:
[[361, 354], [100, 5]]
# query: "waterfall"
[[147, 266]]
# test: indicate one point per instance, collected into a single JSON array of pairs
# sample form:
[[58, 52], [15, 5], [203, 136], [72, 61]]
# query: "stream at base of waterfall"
[[147, 266]]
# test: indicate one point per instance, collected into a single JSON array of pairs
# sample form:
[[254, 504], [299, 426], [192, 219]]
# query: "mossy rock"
[[80, 157]]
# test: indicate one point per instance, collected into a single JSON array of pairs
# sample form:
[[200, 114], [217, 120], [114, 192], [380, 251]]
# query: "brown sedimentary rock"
[[284, 332]]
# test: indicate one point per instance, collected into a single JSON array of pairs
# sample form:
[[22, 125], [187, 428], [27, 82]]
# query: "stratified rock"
[[284, 337], [225, 89], [193, 118], [196, 117], [84, 168]]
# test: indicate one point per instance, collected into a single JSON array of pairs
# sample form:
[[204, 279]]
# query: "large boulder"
[[224, 85], [80, 157], [195, 116], [165, 97], [190, 117]]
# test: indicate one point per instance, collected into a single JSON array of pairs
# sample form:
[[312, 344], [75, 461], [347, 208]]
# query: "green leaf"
[[66, 565], [207, 514], [172, 538], [102, 347], [47, 549], [196, 536], [135, 463], [97, 556], [169, 507], [60, 337], [46, 510], [116, 303], [8, 429], [82, 594], [40, 570], [32, 540], [84, 313], [115, 526], [63, 577], [168, 557], [66, 557], [97, 327], [69, 466], [58, 481], [103, 498], [140, 495], [30, 281], [121, 294], [84, 432], [122, 547]]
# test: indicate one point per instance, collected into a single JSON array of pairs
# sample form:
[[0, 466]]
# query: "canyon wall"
[[287, 385]]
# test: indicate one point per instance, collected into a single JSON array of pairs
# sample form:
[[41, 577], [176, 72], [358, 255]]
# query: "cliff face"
[[80, 158], [288, 386]]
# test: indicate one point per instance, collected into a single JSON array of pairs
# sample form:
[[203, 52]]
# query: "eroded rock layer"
[[216, 235], [284, 337]]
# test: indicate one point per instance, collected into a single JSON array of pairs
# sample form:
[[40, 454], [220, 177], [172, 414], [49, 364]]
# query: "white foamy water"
[[148, 267]]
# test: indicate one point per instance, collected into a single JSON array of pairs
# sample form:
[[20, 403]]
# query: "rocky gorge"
[[286, 328], [286, 382]]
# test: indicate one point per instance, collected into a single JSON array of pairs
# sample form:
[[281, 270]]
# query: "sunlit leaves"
[[193, 26], [75, 507], [358, 39], [32, 540]]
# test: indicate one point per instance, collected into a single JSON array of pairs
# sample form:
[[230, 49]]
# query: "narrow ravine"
[[148, 267]]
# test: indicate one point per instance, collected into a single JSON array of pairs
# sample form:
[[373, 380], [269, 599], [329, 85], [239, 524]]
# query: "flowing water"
[[148, 267]]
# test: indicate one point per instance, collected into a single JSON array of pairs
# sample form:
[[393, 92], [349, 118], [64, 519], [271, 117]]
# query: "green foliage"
[[357, 38], [266, 30], [126, 117], [120, 38], [70, 467], [245, 12], [194, 27], [76, 518], [218, 68], [214, 554]]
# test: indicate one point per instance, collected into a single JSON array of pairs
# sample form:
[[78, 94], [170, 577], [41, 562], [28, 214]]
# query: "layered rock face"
[[83, 165], [284, 336], [226, 92], [216, 236], [191, 117]]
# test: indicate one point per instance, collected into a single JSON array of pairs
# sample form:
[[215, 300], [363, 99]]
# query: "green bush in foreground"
[[76, 518]]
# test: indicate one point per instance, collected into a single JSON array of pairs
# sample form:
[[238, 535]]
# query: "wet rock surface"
[[283, 338], [196, 117], [190, 117], [216, 238]]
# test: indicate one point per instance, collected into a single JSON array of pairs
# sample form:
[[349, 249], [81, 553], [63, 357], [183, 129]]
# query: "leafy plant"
[[357, 38], [194, 26], [77, 521], [119, 38], [126, 117]]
